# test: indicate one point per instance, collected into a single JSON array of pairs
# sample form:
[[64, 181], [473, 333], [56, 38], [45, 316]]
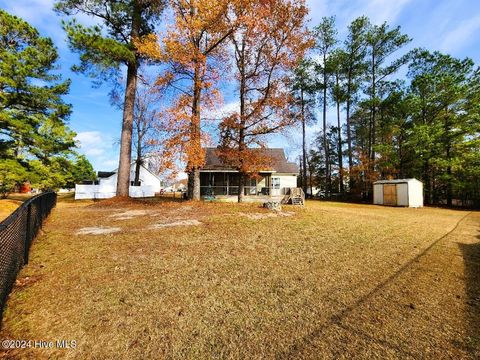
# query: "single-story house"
[[106, 185], [400, 192], [220, 179], [180, 185]]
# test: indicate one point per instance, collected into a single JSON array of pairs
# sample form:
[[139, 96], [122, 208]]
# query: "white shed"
[[401, 192]]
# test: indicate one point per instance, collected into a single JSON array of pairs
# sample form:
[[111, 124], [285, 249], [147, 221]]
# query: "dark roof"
[[105, 174], [278, 160]]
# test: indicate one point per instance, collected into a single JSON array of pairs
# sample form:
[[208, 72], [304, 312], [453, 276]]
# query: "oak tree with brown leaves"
[[193, 51], [268, 44]]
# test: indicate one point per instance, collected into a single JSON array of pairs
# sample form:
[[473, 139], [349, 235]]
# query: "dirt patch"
[[177, 223], [98, 230], [130, 214], [259, 216]]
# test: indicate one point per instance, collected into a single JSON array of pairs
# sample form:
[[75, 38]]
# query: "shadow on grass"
[[471, 256]]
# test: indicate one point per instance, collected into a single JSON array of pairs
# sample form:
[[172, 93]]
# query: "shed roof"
[[279, 162], [396, 181]]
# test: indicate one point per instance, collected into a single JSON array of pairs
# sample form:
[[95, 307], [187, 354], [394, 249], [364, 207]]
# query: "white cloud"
[[380, 11], [40, 14], [464, 33], [318, 8], [110, 164], [98, 147], [223, 111], [89, 139], [32, 11]]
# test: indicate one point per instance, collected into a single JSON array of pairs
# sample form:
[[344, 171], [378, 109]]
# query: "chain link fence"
[[16, 235]]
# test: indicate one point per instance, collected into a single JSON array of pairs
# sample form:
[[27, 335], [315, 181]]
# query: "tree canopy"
[[35, 140]]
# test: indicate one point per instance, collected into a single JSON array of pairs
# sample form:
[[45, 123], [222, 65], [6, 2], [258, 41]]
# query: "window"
[[275, 183]]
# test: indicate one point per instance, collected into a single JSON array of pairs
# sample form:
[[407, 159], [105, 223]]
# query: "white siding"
[[108, 191], [287, 181], [150, 185], [402, 194], [378, 194], [416, 194], [146, 179]]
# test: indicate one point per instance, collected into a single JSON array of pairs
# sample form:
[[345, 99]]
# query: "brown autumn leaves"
[[252, 44]]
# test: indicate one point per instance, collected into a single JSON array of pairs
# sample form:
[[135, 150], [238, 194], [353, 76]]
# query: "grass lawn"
[[11, 203], [178, 280]]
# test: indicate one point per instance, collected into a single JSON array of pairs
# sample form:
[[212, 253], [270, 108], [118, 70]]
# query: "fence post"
[[28, 232]]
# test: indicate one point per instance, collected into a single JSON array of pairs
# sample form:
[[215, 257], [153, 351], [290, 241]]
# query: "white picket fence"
[[109, 191]]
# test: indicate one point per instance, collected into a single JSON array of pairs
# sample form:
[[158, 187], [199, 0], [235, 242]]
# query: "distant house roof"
[[181, 182], [279, 162], [105, 174]]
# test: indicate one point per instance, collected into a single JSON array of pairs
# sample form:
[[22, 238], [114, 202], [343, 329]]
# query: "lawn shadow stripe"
[[299, 346]]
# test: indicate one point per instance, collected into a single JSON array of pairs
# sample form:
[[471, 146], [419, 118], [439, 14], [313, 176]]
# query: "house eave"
[[234, 171]]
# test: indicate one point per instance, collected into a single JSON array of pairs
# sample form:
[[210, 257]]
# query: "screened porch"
[[227, 184]]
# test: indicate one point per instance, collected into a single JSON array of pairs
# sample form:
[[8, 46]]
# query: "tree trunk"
[[241, 187], [241, 131], [325, 145], [195, 137], [448, 156], [123, 179], [138, 161], [426, 180], [349, 138], [304, 146], [374, 112], [340, 155]]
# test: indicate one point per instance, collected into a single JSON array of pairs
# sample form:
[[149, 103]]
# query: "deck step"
[[294, 196], [297, 201]]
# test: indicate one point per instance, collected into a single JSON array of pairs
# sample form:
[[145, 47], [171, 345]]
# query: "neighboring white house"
[[107, 184], [401, 192], [180, 185], [221, 180]]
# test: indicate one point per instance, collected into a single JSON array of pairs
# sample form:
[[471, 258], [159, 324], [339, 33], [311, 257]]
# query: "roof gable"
[[107, 174], [279, 161]]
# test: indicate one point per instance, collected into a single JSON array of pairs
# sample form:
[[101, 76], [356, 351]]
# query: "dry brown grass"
[[330, 281], [8, 206], [11, 203]]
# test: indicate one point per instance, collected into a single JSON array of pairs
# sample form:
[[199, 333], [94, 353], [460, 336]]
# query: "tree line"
[[425, 125], [283, 75]]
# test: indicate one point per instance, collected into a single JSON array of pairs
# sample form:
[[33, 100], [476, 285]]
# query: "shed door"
[[390, 194]]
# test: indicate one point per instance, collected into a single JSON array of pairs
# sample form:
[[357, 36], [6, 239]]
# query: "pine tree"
[[326, 38], [105, 48], [33, 115]]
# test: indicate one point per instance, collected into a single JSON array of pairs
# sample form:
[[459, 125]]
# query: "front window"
[[275, 183]]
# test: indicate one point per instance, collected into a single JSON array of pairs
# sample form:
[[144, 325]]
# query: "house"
[[221, 180], [180, 185], [401, 192], [106, 185]]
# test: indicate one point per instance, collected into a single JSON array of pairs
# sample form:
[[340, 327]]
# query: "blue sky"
[[451, 26]]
